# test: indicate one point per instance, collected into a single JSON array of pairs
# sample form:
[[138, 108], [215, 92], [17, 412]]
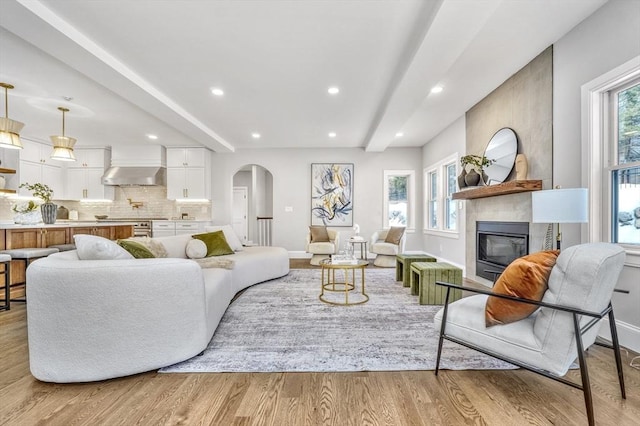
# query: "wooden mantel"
[[511, 187]]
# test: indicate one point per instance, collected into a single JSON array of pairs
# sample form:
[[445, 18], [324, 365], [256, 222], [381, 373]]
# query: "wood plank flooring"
[[513, 397]]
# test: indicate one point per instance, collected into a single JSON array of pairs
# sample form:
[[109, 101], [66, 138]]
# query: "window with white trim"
[[441, 214], [399, 198], [624, 168]]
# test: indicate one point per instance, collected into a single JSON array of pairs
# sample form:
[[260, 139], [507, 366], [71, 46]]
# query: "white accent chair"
[[385, 252], [566, 324], [322, 250]]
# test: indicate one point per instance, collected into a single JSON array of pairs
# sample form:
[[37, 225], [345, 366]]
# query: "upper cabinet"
[[84, 176], [37, 166], [188, 173]]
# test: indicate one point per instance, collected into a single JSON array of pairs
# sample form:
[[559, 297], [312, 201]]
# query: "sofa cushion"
[[196, 249], [385, 248], [394, 236], [137, 249], [156, 247], [525, 277], [92, 247], [319, 234], [216, 243], [230, 235]]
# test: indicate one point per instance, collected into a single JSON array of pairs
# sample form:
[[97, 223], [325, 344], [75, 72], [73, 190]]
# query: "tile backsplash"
[[153, 201]]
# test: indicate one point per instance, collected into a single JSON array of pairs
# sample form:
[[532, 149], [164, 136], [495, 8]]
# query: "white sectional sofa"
[[93, 320]]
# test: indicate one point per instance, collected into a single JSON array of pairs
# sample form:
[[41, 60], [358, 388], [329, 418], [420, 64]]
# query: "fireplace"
[[498, 244]]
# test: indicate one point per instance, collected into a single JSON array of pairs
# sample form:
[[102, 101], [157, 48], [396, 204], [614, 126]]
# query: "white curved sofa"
[[93, 320]]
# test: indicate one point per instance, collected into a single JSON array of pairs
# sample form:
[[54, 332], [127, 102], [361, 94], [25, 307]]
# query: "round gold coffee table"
[[330, 284]]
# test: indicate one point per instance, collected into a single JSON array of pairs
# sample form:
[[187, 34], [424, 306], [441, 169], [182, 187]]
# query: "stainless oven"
[[141, 226]]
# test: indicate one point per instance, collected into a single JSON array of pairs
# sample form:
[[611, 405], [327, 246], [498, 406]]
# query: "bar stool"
[[5, 260], [27, 255], [63, 247]]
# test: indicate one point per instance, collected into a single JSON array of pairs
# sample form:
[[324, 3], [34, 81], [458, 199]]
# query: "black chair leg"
[[444, 322], [616, 351], [584, 374]]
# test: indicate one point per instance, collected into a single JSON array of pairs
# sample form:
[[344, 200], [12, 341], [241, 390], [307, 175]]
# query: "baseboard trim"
[[628, 334], [299, 255]]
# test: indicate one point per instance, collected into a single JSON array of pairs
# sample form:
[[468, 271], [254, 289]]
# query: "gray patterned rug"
[[281, 326]]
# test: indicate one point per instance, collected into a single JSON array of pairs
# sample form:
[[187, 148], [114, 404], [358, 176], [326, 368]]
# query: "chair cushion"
[[319, 234], [385, 248], [525, 277], [394, 235], [321, 248]]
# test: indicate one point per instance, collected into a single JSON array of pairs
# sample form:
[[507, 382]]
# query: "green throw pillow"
[[137, 250], [216, 243]]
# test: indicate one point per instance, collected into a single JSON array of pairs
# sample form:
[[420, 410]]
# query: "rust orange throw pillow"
[[525, 277]]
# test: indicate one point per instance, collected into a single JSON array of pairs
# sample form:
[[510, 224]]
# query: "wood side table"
[[424, 276], [403, 267]]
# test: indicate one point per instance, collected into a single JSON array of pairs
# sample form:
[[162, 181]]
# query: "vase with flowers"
[[27, 213], [48, 209], [476, 174]]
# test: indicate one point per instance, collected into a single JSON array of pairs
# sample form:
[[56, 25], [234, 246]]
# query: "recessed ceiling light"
[[255, 135], [332, 135], [333, 90], [217, 91], [436, 89], [152, 137], [399, 135]]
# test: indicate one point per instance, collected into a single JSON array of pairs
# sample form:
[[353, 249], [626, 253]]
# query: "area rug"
[[282, 326]]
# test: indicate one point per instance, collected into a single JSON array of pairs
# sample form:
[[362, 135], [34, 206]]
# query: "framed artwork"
[[332, 194]]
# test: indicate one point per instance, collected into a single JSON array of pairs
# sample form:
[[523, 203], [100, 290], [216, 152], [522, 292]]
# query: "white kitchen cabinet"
[[189, 227], [165, 228], [188, 173], [37, 167], [84, 177]]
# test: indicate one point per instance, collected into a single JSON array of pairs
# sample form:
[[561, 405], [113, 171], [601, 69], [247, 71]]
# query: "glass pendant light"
[[63, 145], [9, 129]]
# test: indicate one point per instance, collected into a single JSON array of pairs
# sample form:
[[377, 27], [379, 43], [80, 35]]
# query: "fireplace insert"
[[498, 244]]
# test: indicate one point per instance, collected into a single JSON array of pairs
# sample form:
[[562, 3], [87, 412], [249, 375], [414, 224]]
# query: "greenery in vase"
[[479, 162], [39, 190]]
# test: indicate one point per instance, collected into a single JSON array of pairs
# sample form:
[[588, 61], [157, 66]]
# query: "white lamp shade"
[[560, 206]]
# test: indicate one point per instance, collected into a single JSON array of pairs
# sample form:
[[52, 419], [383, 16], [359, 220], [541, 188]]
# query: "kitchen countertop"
[[64, 224]]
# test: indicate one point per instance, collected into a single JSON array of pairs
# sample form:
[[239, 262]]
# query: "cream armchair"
[[385, 252], [563, 327], [322, 250]]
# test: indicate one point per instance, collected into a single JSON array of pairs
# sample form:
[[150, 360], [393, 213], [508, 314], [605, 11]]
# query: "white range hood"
[[137, 165]]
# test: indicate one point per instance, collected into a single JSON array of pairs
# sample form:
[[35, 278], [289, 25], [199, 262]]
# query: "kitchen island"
[[14, 236]]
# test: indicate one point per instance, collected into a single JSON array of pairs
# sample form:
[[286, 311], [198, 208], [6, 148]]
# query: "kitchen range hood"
[[130, 175]]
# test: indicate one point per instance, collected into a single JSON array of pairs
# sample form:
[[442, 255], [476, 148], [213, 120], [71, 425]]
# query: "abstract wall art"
[[332, 194]]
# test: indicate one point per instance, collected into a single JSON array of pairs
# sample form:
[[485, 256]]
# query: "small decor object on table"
[[27, 213], [48, 209]]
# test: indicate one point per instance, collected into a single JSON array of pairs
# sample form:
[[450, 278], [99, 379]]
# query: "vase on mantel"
[[472, 178], [49, 213], [461, 182]]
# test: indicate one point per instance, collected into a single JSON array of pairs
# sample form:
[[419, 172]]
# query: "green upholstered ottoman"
[[403, 266], [424, 276]]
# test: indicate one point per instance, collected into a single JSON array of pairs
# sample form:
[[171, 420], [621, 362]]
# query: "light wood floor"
[[370, 398]]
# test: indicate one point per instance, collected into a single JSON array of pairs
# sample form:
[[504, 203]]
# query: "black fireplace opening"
[[498, 244]]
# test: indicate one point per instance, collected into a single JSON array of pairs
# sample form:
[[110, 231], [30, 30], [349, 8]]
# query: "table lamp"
[[560, 205]]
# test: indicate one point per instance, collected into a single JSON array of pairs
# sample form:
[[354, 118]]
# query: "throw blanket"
[[215, 262]]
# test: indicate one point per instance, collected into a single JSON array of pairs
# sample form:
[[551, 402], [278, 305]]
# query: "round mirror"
[[502, 149]]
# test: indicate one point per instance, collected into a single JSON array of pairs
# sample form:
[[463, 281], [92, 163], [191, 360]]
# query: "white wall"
[[605, 40], [291, 172], [449, 141]]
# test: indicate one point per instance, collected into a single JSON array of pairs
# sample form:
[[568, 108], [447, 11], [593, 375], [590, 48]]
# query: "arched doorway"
[[253, 204]]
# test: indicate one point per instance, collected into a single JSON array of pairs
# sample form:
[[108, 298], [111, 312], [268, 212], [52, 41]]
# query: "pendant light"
[[63, 145], [9, 129]]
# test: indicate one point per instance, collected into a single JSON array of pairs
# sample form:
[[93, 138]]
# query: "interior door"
[[240, 222]]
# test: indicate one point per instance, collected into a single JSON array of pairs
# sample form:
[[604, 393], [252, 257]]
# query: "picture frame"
[[332, 194]]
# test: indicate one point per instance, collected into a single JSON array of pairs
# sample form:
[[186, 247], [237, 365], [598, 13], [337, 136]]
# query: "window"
[[433, 200], [441, 214], [625, 165], [398, 198]]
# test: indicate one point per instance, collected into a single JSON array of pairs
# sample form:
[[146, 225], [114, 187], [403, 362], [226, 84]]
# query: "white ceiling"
[[147, 66]]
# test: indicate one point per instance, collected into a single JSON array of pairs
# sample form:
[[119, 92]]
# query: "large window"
[[398, 198], [625, 165], [441, 214]]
